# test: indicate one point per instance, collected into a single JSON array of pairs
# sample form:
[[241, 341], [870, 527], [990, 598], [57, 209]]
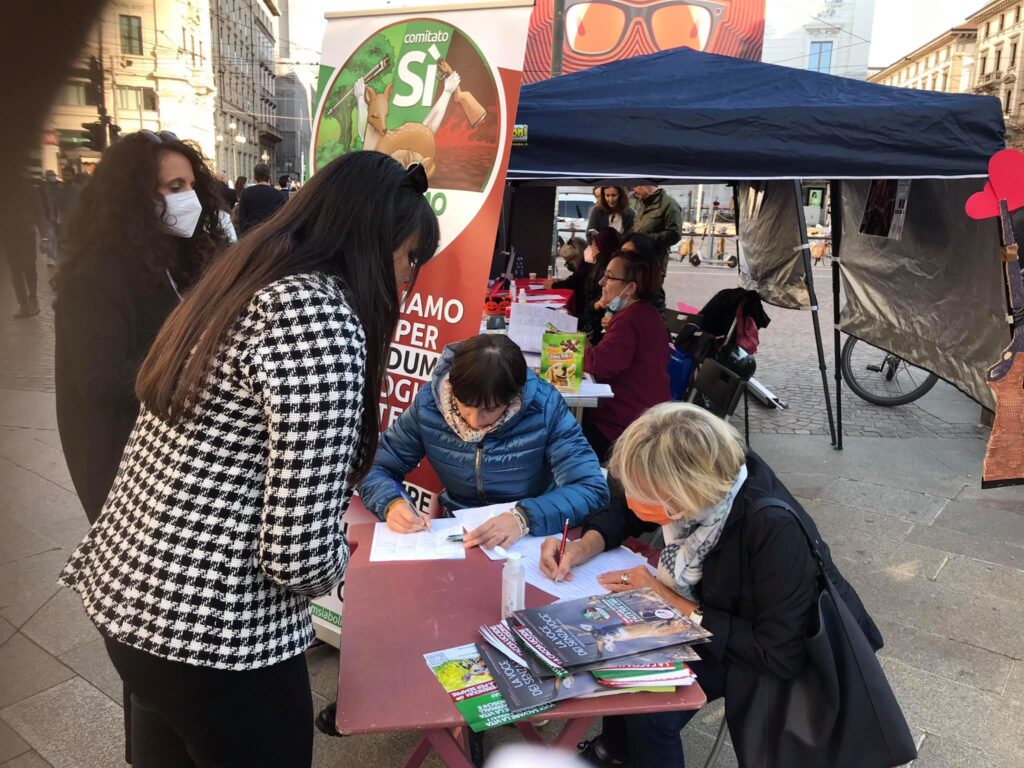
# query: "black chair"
[[719, 390]]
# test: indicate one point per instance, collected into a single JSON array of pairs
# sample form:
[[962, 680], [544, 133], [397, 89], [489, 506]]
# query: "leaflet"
[[462, 673]]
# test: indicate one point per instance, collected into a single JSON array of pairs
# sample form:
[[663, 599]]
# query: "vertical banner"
[[569, 35], [438, 85]]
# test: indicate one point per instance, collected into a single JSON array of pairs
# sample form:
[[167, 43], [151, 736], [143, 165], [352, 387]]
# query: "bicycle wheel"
[[882, 378]]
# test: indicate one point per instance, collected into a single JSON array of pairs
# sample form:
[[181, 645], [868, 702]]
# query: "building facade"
[[295, 79], [998, 73], [245, 118], [946, 64], [829, 36], [154, 59]]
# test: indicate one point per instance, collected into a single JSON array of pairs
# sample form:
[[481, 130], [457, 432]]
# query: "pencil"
[[565, 536]]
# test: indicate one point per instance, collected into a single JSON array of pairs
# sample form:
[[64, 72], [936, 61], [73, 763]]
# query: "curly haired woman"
[[144, 229]]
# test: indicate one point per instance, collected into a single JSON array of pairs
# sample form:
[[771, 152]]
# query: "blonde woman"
[[735, 559]]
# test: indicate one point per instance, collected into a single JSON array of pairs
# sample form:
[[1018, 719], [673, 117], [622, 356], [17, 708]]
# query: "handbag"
[[840, 711]]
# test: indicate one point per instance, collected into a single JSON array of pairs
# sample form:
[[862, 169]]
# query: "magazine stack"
[[605, 644]]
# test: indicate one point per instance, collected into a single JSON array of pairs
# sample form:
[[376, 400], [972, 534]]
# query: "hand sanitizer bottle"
[[513, 585]]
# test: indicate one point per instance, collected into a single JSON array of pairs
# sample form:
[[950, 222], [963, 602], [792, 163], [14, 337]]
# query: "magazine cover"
[[522, 691], [601, 627], [463, 674]]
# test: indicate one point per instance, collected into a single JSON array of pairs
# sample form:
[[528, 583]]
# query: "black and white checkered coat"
[[220, 528]]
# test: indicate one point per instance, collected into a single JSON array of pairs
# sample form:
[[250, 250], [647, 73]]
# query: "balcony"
[[268, 132]]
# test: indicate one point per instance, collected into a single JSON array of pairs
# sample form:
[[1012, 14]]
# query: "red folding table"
[[395, 612]]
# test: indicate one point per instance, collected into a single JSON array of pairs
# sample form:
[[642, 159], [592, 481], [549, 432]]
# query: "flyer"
[[462, 673]]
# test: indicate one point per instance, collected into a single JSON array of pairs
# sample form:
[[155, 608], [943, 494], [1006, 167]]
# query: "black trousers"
[[20, 253], [602, 445], [183, 716], [652, 740]]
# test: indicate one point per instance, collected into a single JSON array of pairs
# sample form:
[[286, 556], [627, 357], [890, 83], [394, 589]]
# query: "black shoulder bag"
[[839, 711]]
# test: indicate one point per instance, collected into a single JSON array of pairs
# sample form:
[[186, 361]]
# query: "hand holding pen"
[[402, 516]]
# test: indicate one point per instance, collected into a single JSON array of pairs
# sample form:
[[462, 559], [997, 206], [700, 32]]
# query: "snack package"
[[561, 360]]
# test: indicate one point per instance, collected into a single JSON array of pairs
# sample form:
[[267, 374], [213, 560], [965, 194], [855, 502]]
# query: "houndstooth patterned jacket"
[[219, 528]]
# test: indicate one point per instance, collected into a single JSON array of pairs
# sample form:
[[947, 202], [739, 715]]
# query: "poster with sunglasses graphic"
[[600, 31], [436, 88]]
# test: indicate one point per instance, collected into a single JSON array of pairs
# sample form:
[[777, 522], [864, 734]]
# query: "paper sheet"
[[389, 546], [584, 577], [528, 322]]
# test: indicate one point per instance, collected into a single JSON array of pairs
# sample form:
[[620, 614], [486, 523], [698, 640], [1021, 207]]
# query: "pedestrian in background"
[[259, 417], [612, 210], [142, 233], [258, 202], [606, 242], [659, 217], [51, 197], [23, 220], [230, 196], [284, 184]]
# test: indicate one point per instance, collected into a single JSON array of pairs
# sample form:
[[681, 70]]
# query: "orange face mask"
[[651, 513]]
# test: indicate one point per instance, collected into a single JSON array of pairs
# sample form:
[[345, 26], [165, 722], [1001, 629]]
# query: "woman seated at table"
[[748, 575], [603, 247], [572, 255], [494, 433], [633, 354]]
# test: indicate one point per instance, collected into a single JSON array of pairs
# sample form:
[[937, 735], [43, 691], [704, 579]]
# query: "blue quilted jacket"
[[539, 458]]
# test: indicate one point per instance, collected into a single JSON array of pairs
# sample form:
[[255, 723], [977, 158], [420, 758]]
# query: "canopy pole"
[[837, 239], [805, 247]]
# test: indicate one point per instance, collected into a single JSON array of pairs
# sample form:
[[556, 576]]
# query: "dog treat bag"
[[561, 360]]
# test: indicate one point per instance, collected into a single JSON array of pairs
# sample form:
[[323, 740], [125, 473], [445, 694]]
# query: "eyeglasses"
[[606, 276], [593, 28]]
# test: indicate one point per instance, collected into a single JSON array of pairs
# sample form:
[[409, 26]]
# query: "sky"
[[903, 25]]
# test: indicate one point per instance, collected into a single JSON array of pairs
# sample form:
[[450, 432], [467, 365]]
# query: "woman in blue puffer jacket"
[[494, 433]]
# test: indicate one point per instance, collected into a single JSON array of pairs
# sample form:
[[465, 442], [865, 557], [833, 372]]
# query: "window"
[[131, 35], [820, 58], [984, 63], [132, 99], [999, 59], [945, 81], [1013, 54], [72, 95], [1009, 99]]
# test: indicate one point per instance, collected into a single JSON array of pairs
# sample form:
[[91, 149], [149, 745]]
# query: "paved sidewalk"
[[939, 563]]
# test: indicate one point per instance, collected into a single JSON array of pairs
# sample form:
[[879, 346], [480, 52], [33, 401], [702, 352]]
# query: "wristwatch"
[[696, 616]]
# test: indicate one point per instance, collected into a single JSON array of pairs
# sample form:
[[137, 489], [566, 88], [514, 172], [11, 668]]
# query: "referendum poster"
[[595, 32], [438, 85]]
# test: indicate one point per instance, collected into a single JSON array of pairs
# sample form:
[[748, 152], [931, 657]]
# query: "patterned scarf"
[[450, 410], [687, 542]]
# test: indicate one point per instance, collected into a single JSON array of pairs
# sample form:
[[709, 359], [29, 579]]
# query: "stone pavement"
[[939, 563]]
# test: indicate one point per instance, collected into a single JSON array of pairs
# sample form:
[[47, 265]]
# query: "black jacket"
[[758, 592], [106, 318], [257, 204], [577, 283], [598, 219]]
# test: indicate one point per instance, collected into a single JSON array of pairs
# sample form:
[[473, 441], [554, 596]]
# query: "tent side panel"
[[935, 297], [771, 261]]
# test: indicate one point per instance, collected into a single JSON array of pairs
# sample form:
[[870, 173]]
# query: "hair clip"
[[416, 175]]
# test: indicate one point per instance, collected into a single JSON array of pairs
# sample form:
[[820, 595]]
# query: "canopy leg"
[[809, 279], [837, 240]]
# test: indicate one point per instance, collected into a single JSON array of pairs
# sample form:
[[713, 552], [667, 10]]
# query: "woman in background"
[[143, 231], [612, 210]]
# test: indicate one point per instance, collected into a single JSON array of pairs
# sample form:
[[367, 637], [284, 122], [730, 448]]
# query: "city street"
[[938, 562]]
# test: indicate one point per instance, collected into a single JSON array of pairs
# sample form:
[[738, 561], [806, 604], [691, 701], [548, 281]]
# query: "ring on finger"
[[624, 578]]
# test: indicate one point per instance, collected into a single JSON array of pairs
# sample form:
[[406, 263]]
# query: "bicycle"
[[882, 378]]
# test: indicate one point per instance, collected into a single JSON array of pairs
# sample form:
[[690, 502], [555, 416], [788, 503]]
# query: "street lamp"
[[239, 141], [264, 157]]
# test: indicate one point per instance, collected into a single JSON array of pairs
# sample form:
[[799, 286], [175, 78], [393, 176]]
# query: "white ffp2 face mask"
[[182, 214]]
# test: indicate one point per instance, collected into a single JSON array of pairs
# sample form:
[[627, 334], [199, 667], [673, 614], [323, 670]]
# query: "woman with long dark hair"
[[612, 210], [259, 415], [144, 229]]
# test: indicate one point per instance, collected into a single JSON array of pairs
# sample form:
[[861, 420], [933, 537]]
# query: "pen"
[[456, 537], [561, 549], [412, 505]]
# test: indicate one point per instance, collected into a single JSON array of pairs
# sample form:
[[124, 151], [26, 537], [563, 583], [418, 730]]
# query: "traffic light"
[[94, 90], [95, 136], [115, 132]]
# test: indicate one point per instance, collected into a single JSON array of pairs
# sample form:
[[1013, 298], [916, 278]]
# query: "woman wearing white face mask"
[[633, 354], [144, 229]]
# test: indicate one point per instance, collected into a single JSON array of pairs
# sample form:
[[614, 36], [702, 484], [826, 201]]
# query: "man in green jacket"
[[658, 216]]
